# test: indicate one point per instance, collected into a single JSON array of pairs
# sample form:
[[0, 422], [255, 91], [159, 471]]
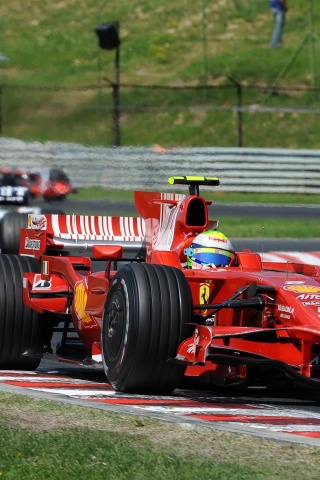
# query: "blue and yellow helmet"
[[209, 249]]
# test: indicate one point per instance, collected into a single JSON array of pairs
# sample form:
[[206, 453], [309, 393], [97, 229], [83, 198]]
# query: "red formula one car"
[[146, 317], [49, 184]]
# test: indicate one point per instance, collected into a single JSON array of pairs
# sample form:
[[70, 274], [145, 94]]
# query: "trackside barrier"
[[130, 168]]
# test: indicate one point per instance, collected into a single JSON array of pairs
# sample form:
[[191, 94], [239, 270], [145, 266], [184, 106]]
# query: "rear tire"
[[10, 227], [20, 327], [144, 322]]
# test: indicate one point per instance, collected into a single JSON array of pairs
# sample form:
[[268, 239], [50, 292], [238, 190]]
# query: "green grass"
[[233, 227], [99, 193], [53, 50], [43, 439], [269, 228]]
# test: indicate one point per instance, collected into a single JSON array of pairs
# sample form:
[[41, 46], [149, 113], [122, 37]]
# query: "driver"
[[208, 250]]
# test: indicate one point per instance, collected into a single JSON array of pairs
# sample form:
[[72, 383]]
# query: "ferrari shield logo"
[[204, 293]]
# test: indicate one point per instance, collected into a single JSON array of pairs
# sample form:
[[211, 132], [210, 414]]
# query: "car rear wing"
[[79, 233], [167, 221]]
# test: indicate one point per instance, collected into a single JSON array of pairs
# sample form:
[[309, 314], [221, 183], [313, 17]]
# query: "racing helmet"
[[209, 249]]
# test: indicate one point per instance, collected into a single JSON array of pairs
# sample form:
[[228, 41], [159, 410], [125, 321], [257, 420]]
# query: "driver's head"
[[209, 249]]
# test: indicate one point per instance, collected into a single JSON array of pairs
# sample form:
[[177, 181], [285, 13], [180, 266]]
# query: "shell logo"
[[302, 288], [80, 302]]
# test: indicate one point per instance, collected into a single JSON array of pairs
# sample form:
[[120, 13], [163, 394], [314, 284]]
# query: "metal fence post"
[[116, 96], [240, 115], [239, 111]]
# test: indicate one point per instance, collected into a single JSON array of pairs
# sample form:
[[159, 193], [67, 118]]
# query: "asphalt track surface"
[[290, 414], [216, 210]]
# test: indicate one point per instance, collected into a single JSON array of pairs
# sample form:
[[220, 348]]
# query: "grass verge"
[[236, 227], [56, 83], [44, 439], [269, 228], [98, 193]]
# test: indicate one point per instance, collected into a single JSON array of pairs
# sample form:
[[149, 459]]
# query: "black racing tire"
[[146, 316], [10, 227], [20, 327]]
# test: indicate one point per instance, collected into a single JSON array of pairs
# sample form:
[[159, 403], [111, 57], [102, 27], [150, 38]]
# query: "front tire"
[[145, 319], [20, 327]]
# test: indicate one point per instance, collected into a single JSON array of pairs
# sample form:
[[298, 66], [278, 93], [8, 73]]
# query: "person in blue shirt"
[[279, 9]]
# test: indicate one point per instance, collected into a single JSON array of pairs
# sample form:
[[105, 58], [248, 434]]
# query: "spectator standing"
[[279, 9]]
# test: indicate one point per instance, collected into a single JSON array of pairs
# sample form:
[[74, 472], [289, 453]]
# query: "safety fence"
[[232, 115], [129, 168]]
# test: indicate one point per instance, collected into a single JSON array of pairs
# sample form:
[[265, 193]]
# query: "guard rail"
[[129, 168]]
